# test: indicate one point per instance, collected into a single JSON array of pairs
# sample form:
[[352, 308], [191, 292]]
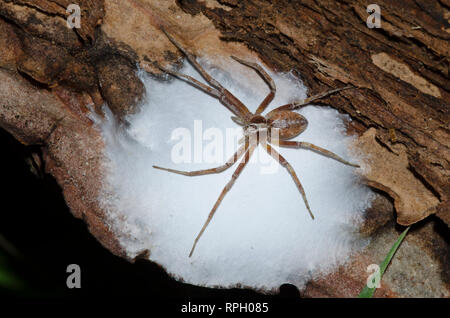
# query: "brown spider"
[[258, 129]]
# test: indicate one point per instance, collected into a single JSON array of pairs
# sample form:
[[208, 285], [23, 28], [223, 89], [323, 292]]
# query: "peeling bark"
[[120, 85]]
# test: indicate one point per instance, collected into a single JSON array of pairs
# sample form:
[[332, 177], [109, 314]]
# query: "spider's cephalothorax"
[[282, 122]]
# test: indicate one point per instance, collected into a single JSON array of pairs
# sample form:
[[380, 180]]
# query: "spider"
[[282, 122]]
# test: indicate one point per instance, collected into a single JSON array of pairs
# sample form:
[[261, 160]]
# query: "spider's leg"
[[266, 77], [291, 171], [219, 169], [226, 97], [227, 188], [193, 81], [193, 61], [309, 100], [307, 145]]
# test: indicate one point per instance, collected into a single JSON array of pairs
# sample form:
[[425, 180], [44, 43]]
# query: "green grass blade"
[[8, 279], [368, 292]]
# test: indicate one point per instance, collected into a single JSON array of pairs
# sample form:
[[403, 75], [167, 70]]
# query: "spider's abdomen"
[[288, 123]]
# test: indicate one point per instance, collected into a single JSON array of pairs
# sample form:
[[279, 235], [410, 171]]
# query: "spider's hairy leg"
[[238, 121], [226, 97], [193, 61], [227, 188], [291, 171], [266, 77], [219, 169], [307, 145], [309, 100], [192, 81]]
